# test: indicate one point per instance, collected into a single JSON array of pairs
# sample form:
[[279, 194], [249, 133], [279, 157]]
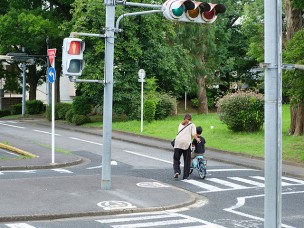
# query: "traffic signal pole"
[[273, 113], [108, 94]]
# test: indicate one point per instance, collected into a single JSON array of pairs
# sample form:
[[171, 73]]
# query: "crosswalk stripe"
[[263, 179], [293, 180], [226, 183], [136, 218], [255, 183], [155, 224], [62, 170], [203, 185], [19, 225]]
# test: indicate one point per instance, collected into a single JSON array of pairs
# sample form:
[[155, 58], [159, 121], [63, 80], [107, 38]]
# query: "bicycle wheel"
[[202, 171]]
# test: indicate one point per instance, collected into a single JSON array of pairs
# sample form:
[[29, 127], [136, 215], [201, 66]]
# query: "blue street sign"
[[51, 74]]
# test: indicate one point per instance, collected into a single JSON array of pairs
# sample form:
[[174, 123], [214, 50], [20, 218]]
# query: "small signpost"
[[142, 75], [52, 78]]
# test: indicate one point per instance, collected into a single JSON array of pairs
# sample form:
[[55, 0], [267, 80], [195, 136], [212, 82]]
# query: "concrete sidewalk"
[[62, 197]]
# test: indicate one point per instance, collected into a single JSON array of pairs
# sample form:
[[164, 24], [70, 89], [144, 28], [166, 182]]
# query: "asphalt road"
[[235, 194]]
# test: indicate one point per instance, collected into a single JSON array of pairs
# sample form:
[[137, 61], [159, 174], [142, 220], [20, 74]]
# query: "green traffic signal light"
[[178, 11]]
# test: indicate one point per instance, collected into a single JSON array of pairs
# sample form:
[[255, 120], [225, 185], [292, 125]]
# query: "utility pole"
[[273, 113], [108, 94]]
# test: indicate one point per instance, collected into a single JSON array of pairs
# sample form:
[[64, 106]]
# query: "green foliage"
[[16, 109], [80, 119], [242, 111], [81, 105], [149, 110], [4, 113], [194, 102], [62, 108], [294, 79], [165, 106], [69, 115], [34, 107]]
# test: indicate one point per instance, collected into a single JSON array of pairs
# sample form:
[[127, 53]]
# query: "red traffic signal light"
[[72, 56], [191, 11]]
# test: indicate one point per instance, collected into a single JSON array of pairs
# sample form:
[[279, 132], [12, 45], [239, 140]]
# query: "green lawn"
[[218, 136]]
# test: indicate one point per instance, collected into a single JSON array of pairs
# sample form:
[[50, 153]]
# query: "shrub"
[[164, 107], [69, 115], [242, 111], [149, 110], [34, 107], [48, 113], [194, 102], [81, 105], [62, 108], [16, 109], [5, 113], [80, 119]]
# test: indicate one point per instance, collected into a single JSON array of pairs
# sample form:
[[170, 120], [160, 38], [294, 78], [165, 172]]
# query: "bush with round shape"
[[242, 111]]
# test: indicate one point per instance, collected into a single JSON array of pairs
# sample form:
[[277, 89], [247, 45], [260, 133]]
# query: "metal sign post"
[[52, 78], [273, 113], [142, 75], [108, 95]]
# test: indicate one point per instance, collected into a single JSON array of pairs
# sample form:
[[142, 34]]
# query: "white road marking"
[[258, 184], [146, 156], [62, 170], [18, 171], [203, 185], [227, 183], [11, 125], [241, 202], [293, 180], [11, 153], [228, 170], [45, 132], [82, 140], [282, 182], [19, 225], [96, 167], [159, 219]]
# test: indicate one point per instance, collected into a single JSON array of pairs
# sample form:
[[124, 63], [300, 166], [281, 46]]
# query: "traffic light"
[[72, 56], [191, 11]]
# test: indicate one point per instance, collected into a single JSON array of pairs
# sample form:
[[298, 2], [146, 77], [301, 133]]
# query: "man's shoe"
[[176, 175]]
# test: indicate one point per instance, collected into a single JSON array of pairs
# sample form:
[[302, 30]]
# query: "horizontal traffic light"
[[72, 56], [191, 11]]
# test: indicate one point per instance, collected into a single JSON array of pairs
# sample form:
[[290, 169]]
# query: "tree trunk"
[[293, 24], [202, 97], [32, 82]]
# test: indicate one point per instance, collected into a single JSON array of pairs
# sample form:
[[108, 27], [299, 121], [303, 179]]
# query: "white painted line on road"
[[241, 202], [142, 218], [293, 180], [11, 125], [18, 171], [155, 224], [282, 182], [203, 185], [227, 183], [146, 156], [96, 167], [11, 153], [82, 140], [258, 184], [10, 121], [62, 170], [19, 225], [45, 132], [228, 170]]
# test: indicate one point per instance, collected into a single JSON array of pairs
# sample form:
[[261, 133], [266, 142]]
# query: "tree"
[[294, 54], [32, 21], [140, 45]]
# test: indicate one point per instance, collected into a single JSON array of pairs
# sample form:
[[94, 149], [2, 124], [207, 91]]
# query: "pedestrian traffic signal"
[[191, 11], [72, 56]]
